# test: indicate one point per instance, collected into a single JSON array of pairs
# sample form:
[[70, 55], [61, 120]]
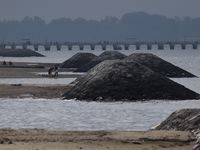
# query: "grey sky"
[[95, 9]]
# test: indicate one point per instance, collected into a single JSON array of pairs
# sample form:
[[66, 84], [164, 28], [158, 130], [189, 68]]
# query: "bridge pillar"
[[58, 47], [117, 47], [47, 47], [13, 46], [171, 45], [126, 47], [36, 47], [183, 45], [103, 47], [149, 46], [81, 47], [70, 47], [24, 46], [161, 46], [137, 46], [92, 47], [2, 46], [194, 45]]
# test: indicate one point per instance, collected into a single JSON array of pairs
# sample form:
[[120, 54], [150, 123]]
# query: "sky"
[[95, 9]]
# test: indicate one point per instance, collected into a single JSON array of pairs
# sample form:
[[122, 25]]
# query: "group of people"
[[53, 69], [4, 63]]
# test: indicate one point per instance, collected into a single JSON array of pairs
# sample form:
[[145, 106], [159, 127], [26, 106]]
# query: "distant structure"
[[116, 45]]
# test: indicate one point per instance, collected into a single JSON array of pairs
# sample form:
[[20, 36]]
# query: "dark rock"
[[124, 80], [136, 142], [19, 53], [158, 65], [108, 55], [183, 120], [78, 60], [16, 84]]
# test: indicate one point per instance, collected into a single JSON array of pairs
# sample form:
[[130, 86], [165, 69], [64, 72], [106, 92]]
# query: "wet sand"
[[29, 70], [40, 139]]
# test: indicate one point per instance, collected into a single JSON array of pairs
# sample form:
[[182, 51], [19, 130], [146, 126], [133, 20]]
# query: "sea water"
[[77, 115]]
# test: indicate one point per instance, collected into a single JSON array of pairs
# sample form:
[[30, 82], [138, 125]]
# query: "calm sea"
[[77, 115]]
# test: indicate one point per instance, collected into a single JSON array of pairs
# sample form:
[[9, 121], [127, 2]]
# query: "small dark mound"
[[19, 53], [124, 80], [108, 55], [159, 65], [183, 120], [78, 60]]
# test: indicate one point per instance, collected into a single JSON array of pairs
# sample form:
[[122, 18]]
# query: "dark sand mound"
[[108, 55], [78, 60], [159, 65], [124, 80], [19, 53], [182, 120]]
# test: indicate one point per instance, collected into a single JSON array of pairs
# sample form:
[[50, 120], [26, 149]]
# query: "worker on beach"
[[4, 63], [50, 71], [10, 63]]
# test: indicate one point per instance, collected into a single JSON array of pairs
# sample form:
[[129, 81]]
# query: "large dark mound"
[[108, 55], [19, 53], [124, 80], [78, 60], [183, 120], [158, 65]]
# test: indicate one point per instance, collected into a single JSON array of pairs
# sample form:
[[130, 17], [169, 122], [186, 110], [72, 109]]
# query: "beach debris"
[[16, 84], [136, 142]]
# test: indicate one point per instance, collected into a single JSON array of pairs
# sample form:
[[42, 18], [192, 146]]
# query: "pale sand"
[[35, 139]]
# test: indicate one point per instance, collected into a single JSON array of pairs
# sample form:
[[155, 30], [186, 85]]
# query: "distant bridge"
[[116, 45]]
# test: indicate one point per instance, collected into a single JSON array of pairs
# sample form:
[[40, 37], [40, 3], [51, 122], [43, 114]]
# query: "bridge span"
[[116, 45]]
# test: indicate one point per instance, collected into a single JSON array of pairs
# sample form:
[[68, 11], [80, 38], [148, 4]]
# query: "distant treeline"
[[142, 26]]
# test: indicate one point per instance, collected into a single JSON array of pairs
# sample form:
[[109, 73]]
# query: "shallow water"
[[77, 115], [37, 80]]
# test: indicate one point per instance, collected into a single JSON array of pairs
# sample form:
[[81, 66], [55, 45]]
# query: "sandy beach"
[[40, 139]]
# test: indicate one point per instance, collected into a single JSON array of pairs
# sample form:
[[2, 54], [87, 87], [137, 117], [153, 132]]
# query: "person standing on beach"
[[4, 63], [50, 71]]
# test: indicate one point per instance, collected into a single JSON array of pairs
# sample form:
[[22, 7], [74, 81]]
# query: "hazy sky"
[[95, 9]]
